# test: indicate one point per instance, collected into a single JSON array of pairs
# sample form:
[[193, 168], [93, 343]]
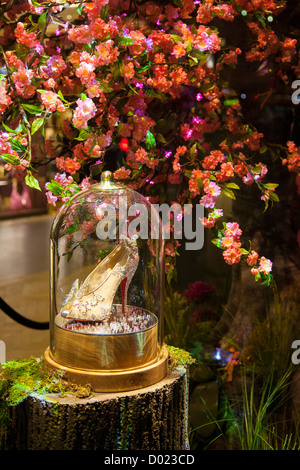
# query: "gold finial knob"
[[107, 181], [106, 176]]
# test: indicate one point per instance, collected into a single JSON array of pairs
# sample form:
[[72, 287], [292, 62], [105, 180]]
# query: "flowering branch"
[[148, 74]]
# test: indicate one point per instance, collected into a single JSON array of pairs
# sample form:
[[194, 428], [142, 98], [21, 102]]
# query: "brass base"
[[105, 352], [115, 381]]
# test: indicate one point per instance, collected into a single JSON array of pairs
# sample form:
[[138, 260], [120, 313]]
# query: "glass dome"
[[106, 299]]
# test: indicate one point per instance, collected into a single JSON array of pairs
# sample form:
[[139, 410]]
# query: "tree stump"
[[152, 418]]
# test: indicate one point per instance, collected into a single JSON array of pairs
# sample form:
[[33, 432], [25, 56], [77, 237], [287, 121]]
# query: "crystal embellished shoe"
[[92, 301]]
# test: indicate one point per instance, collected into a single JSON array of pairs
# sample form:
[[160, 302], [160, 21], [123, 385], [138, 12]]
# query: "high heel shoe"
[[92, 301]]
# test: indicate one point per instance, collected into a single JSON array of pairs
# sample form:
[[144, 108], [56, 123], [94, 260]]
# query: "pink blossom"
[[213, 159], [99, 29], [227, 171], [170, 249], [212, 189], [179, 50], [226, 242], [54, 68], [81, 34], [5, 100], [28, 39], [51, 199], [62, 179], [93, 89], [122, 173], [85, 183], [23, 77], [212, 217], [128, 70], [50, 83], [87, 228], [85, 110], [252, 258], [254, 271], [107, 53], [85, 72], [141, 155], [176, 164], [68, 165], [52, 101], [233, 230], [208, 222], [232, 255], [173, 179], [208, 201], [265, 265]]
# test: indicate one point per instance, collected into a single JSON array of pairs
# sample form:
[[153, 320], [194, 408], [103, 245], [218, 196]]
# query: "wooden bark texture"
[[152, 418]]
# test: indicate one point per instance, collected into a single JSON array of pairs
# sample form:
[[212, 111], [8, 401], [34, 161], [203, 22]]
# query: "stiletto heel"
[[92, 301], [124, 294]]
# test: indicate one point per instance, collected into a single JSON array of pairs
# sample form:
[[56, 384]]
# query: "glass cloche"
[[106, 299]]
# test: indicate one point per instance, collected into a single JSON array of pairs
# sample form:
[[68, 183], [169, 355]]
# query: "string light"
[[124, 145]]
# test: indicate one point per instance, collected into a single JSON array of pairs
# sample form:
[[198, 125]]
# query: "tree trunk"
[[152, 418]]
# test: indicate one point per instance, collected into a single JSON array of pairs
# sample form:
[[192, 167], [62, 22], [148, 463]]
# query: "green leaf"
[[227, 192], [31, 181], [263, 149], [37, 123], [16, 145], [178, 3], [271, 185], [72, 229], [55, 187], [62, 96], [11, 131], [217, 242], [150, 140], [42, 20], [232, 186], [12, 159], [200, 56], [125, 40], [83, 134], [104, 87], [165, 125], [105, 12], [231, 102], [31, 108], [273, 197], [176, 38], [160, 138], [193, 60], [257, 276], [145, 67]]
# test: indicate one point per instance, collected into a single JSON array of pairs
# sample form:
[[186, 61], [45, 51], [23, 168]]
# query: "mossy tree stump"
[[152, 418]]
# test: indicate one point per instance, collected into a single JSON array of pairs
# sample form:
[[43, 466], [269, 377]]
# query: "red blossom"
[[199, 291]]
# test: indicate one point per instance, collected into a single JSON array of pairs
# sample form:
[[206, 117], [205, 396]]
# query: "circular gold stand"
[[115, 381], [105, 352]]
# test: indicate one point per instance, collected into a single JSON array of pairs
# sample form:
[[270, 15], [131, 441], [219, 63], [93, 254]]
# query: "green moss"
[[19, 379], [180, 357]]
